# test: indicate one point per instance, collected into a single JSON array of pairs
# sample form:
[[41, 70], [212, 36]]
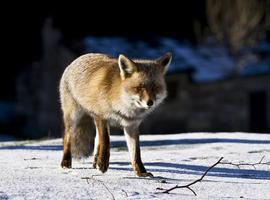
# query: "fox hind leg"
[[67, 158], [96, 149]]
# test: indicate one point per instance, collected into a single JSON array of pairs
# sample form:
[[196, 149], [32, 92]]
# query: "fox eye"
[[137, 88], [157, 88]]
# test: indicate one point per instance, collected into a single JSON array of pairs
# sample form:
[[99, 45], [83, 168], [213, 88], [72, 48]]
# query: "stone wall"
[[216, 106]]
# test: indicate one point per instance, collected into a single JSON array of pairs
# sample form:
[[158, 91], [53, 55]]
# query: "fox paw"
[[66, 164], [103, 165], [94, 165], [144, 174], [95, 161]]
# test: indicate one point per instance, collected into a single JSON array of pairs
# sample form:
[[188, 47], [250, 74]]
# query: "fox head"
[[142, 81]]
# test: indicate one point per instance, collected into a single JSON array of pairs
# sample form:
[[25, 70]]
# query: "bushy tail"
[[83, 138]]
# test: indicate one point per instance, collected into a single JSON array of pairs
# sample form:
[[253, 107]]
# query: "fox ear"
[[165, 61], [127, 66]]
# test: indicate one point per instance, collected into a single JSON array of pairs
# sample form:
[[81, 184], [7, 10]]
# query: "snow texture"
[[31, 169]]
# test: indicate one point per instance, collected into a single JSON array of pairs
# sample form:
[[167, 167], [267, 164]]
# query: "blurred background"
[[219, 79]]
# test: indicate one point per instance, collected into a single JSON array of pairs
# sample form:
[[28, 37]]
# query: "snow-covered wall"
[[210, 61]]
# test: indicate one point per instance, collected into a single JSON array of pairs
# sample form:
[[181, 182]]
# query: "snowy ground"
[[31, 169]]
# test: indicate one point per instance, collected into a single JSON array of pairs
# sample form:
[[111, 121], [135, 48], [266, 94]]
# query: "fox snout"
[[150, 102], [144, 103]]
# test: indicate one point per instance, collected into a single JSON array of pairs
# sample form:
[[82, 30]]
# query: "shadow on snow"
[[122, 143], [199, 170]]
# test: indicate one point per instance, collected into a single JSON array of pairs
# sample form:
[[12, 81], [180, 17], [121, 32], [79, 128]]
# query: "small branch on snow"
[[246, 164], [124, 192], [92, 178], [31, 158], [106, 188], [192, 183], [86, 178]]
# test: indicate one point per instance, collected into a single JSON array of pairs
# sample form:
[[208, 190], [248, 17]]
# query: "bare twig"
[[92, 178], [246, 164], [192, 183], [32, 158], [124, 192], [86, 178], [107, 188]]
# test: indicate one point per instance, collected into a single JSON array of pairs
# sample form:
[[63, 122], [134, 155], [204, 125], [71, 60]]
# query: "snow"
[[31, 169]]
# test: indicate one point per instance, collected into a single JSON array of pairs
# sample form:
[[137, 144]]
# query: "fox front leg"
[[132, 137], [102, 145]]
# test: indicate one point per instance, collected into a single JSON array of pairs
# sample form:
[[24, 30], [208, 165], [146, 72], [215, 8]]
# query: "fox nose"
[[150, 103]]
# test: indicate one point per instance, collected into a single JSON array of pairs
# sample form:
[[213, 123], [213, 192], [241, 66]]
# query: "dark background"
[[21, 34], [21, 40]]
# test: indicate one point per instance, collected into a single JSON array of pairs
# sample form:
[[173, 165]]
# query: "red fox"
[[108, 91]]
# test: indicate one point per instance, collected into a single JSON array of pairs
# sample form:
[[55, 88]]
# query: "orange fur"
[[112, 92]]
